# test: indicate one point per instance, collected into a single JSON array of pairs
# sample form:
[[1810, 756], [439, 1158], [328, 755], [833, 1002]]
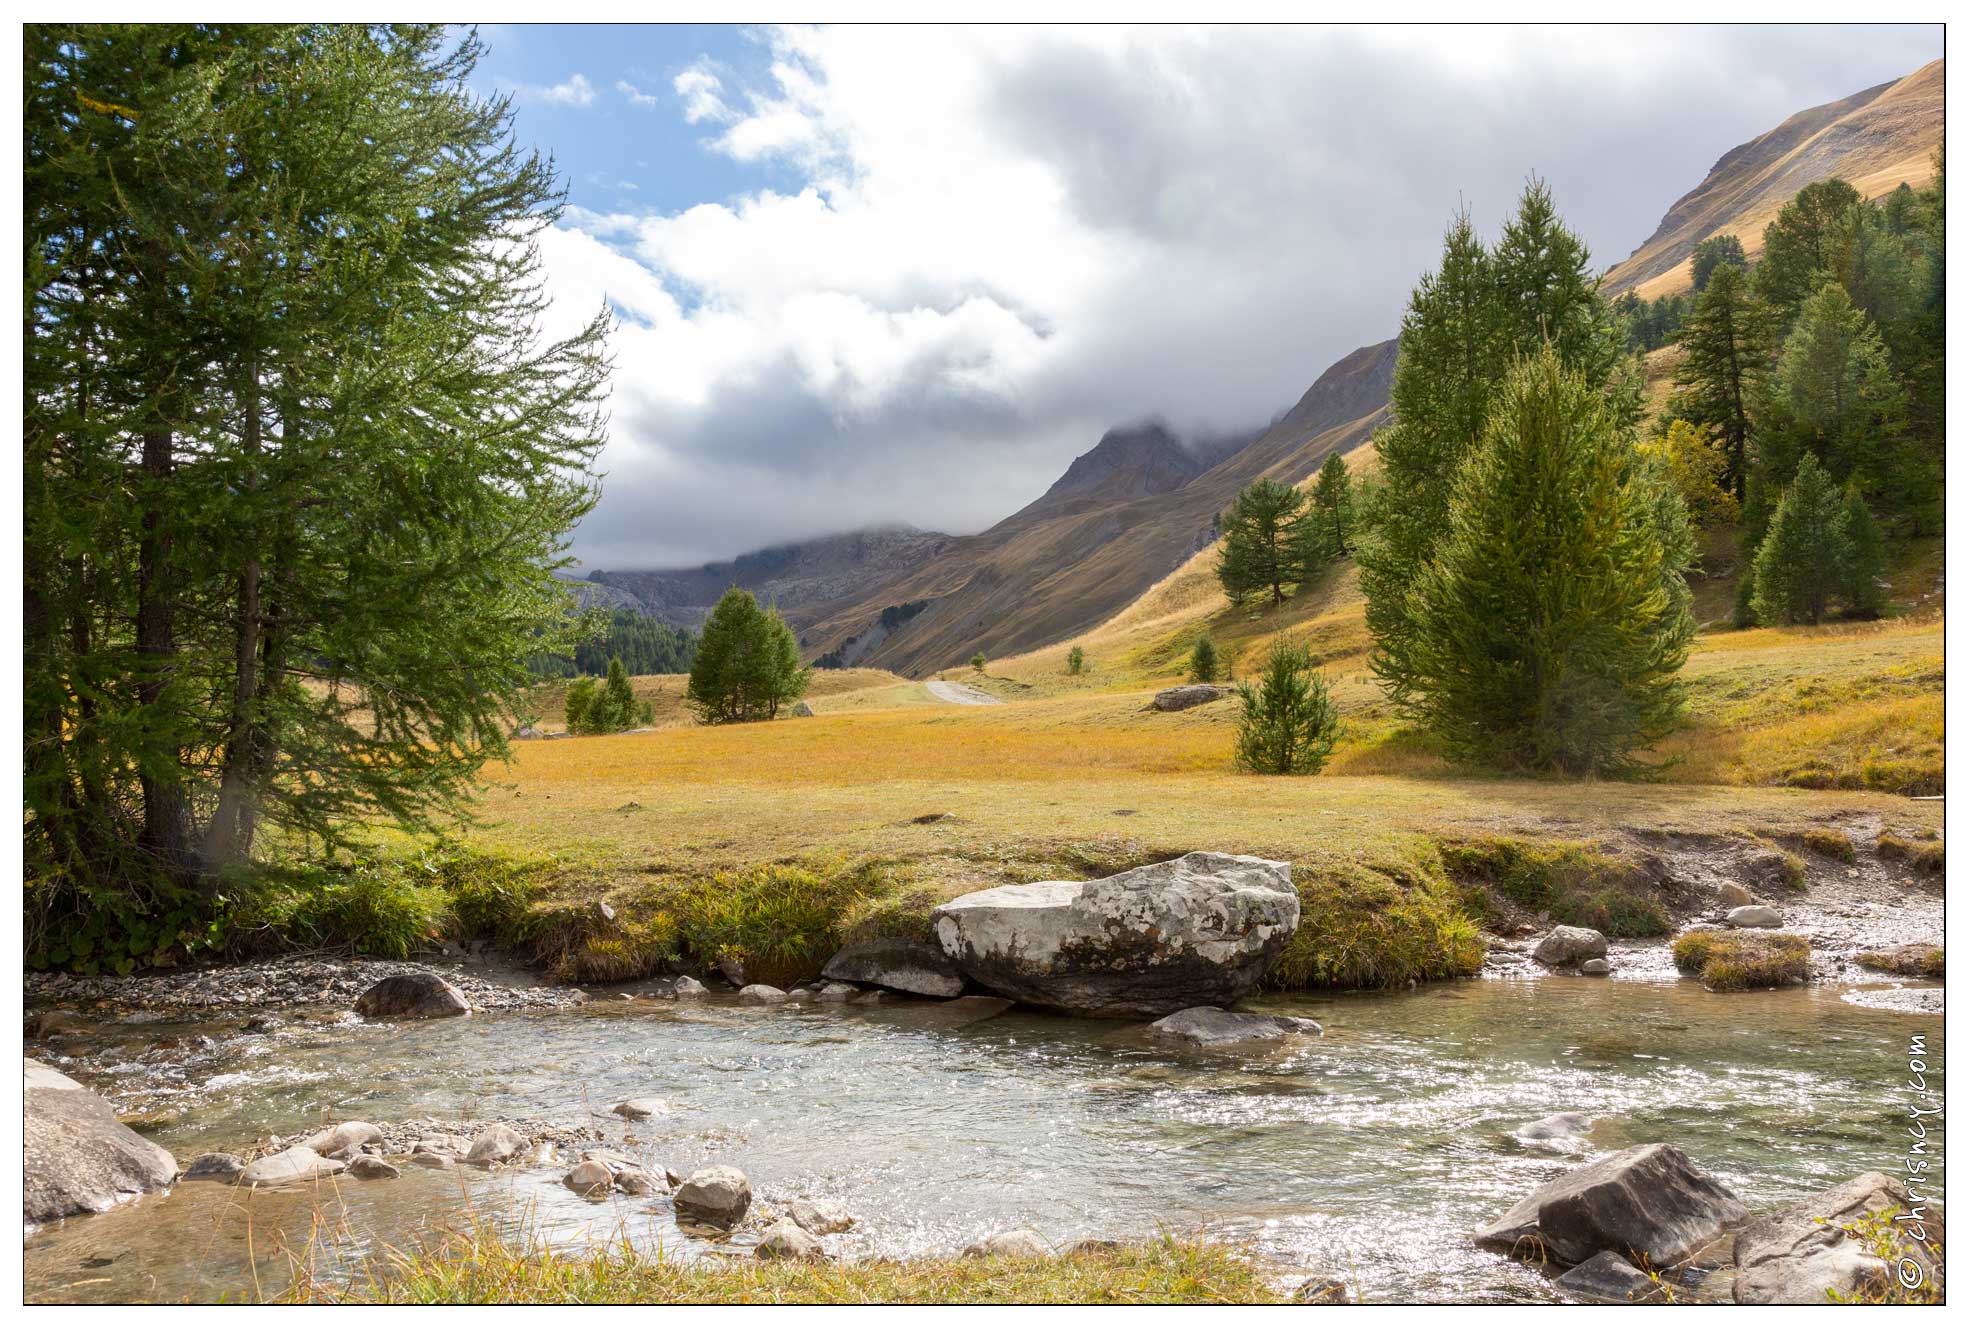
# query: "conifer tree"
[[1727, 350], [1866, 557], [1714, 252], [1805, 246], [1552, 621], [1076, 660], [1262, 541], [747, 664], [1203, 661], [1835, 391], [1803, 563], [1288, 723], [1330, 523]]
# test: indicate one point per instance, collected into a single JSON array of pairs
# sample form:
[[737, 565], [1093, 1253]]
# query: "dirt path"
[[960, 694]]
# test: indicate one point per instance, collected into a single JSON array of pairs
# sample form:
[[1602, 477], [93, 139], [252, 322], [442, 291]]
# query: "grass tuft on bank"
[[1574, 883], [483, 1267], [1738, 961]]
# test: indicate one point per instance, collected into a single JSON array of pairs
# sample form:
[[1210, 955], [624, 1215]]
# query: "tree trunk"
[[229, 836], [166, 834]]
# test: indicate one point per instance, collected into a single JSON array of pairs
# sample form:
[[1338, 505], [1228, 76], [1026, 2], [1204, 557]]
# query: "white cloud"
[[636, 96], [700, 90], [576, 91], [996, 243]]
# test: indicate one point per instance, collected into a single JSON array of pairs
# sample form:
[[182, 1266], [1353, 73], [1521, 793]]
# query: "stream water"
[[1367, 1155]]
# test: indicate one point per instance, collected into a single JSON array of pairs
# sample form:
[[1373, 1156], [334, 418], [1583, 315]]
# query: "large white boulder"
[[1199, 930]]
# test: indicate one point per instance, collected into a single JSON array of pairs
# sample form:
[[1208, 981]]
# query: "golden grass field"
[[1788, 729]]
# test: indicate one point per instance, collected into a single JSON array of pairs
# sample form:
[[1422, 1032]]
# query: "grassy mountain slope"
[[1874, 140]]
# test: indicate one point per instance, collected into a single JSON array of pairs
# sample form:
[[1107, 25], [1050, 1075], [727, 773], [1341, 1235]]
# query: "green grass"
[[1575, 883], [1378, 924], [482, 1267], [1737, 961], [1831, 843]]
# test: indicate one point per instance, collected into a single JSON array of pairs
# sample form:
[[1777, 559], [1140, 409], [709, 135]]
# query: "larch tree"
[[1802, 564], [1726, 357], [1262, 541], [301, 464], [1553, 620]]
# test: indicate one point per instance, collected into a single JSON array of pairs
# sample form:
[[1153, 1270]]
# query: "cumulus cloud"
[[576, 91], [987, 246]]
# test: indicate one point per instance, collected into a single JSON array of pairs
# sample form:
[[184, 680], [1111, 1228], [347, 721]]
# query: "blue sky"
[[619, 154], [889, 274]]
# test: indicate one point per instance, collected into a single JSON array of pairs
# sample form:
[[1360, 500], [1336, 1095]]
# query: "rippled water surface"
[[1368, 1154]]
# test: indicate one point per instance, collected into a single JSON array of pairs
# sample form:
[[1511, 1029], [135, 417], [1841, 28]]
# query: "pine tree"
[[1712, 253], [1463, 324], [1866, 557], [1288, 724], [1330, 523], [580, 700], [1804, 561], [1076, 660], [1835, 389], [1553, 619], [747, 665], [1805, 245], [1727, 350], [1262, 544], [282, 298], [1203, 661]]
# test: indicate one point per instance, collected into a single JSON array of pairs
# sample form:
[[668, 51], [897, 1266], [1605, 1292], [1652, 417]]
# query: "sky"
[[885, 274]]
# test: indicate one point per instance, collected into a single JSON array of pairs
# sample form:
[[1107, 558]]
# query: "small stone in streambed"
[[760, 994], [294, 1164], [367, 1167], [1208, 1026], [215, 1167], [589, 1178], [689, 987], [496, 1144], [431, 1159], [835, 992], [1609, 1280], [821, 1222], [1595, 968], [344, 1137], [787, 1240], [635, 1181], [714, 1196], [1021, 1244], [1754, 916], [637, 1109], [1564, 946]]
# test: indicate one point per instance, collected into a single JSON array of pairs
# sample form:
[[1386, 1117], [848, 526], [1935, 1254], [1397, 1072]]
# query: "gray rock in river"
[[1754, 916], [367, 1167], [419, 996], [1199, 930], [817, 1220], [296, 1163], [1209, 1026], [761, 994], [1608, 1279], [1021, 1244], [714, 1196], [497, 1144], [1595, 968], [1564, 946], [1558, 1126], [915, 967], [589, 1177], [76, 1157], [215, 1167], [833, 993], [787, 1240], [1188, 695], [1649, 1201], [689, 987], [343, 1137], [1794, 1256]]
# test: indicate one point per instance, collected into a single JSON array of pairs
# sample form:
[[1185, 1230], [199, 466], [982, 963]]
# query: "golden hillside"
[[1874, 140]]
